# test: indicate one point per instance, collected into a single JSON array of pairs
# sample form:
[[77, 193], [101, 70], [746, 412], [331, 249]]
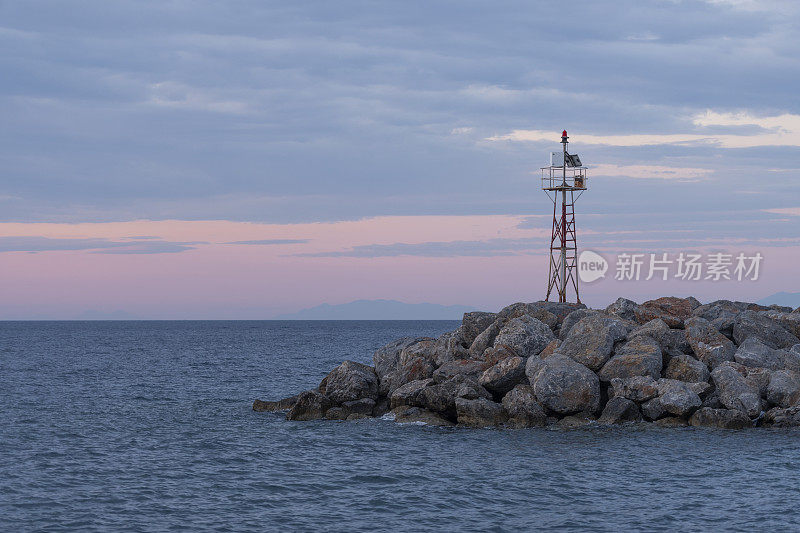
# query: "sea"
[[148, 426]]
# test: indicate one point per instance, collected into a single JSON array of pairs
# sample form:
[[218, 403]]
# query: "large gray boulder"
[[351, 381], [783, 389], [640, 356], [503, 376], [525, 336], [572, 319], [720, 314], [475, 323], [720, 418], [735, 391], [449, 346], [310, 405], [523, 409], [789, 320], [656, 328], [686, 368], [708, 344], [591, 341], [486, 338], [770, 332], [409, 394], [755, 353], [480, 413], [783, 417], [387, 358], [653, 409], [623, 308], [637, 388], [459, 367], [677, 397], [791, 358], [564, 386], [619, 410], [670, 309]]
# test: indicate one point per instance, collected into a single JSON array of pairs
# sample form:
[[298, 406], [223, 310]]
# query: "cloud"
[[651, 172], [35, 244], [271, 241], [791, 211], [778, 130], [487, 248]]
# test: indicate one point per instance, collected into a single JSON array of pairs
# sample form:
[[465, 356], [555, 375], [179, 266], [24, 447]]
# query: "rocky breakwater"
[[670, 361]]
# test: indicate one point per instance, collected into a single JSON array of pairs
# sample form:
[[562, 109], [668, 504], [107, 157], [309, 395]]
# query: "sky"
[[197, 159]]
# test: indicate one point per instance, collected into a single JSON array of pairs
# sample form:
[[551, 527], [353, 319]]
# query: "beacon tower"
[[565, 177]]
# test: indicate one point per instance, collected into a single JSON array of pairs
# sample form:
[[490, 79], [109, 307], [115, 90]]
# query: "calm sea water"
[[147, 426]]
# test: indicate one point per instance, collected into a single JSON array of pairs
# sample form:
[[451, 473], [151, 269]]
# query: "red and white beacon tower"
[[563, 178]]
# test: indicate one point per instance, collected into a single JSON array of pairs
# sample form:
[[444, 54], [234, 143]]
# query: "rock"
[[351, 381], [503, 376], [708, 344], [441, 397], [791, 358], [783, 389], [551, 348], [712, 401], [657, 329], [735, 392], [783, 417], [638, 388], [755, 353], [686, 368], [623, 308], [459, 367], [280, 405], [671, 422], [364, 406], [770, 332], [387, 358], [497, 353], [525, 336], [720, 418], [677, 397], [576, 421], [675, 341], [559, 309], [475, 323], [572, 319], [694, 302], [670, 309], [619, 410], [472, 390], [405, 414], [480, 413], [720, 314], [653, 409], [591, 341], [758, 377], [564, 386], [789, 320], [310, 405], [449, 346], [522, 408], [409, 394], [485, 339], [335, 413], [640, 356]]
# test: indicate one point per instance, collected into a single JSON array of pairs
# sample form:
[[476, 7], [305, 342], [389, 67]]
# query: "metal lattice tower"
[[563, 178]]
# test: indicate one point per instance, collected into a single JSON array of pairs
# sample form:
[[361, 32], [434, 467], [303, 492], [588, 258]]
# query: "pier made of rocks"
[[670, 361]]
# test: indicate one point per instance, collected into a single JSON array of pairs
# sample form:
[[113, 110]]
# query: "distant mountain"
[[789, 299], [379, 310]]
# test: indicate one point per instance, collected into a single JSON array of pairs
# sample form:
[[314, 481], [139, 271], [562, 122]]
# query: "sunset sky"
[[179, 159]]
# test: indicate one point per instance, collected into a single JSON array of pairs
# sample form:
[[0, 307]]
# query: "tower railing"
[[558, 178]]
